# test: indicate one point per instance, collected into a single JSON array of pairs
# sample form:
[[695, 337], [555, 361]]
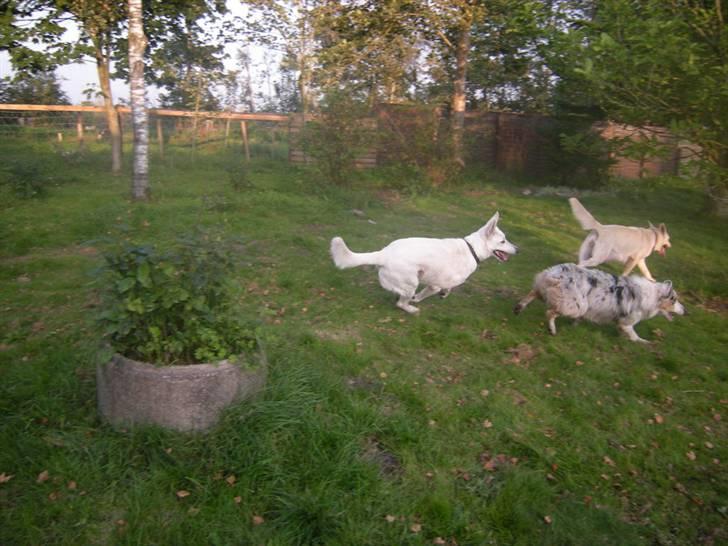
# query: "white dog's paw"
[[411, 309]]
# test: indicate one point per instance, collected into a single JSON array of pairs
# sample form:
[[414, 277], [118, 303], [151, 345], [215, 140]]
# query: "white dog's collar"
[[472, 251]]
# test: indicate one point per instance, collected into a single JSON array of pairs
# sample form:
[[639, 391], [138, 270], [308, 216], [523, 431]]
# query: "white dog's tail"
[[345, 258], [582, 215]]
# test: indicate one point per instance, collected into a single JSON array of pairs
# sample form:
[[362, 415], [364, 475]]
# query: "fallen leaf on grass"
[[487, 423], [4, 478], [182, 494], [390, 518], [231, 479], [72, 485], [416, 527], [493, 463], [608, 461], [42, 477], [238, 499], [659, 419], [547, 520], [691, 455], [258, 520], [522, 353]]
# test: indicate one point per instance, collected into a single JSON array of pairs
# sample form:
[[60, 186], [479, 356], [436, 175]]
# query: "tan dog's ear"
[[663, 229]]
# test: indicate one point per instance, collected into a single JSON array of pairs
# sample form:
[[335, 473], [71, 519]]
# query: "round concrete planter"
[[185, 398]]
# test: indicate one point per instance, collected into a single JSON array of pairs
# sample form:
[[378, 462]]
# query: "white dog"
[[600, 297], [438, 264]]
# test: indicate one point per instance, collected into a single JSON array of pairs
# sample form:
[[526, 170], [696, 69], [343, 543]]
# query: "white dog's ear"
[[490, 226]]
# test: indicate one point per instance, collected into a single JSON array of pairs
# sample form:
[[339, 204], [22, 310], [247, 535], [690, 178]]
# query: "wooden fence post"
[[79, 129], [244, 132], [227, 131], [160, 137]]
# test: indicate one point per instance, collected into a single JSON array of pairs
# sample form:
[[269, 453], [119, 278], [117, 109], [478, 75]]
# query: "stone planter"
[[184, 398]]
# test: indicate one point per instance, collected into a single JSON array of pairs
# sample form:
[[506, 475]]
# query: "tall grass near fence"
[[464, 425]]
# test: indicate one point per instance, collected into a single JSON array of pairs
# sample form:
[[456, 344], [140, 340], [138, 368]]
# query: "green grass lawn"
[[465, 425]]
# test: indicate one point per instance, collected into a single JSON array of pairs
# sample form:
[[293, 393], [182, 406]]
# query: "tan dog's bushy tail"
[[583, 216]]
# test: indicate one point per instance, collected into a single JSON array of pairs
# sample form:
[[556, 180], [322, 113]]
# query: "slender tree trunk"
[[457, 121], [140, 121], [112, 118], [304, 80]]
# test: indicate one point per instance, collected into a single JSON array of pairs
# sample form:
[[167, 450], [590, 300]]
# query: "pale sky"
[[74, 78]]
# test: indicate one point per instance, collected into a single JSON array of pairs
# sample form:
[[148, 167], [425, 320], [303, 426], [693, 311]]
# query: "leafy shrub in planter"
[[173, 307]]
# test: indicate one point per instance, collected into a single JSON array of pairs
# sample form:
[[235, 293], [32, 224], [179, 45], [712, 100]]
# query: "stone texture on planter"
[[185, 398]]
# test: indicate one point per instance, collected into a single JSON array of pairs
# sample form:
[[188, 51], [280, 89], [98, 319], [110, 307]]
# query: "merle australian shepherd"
[[577, 292]]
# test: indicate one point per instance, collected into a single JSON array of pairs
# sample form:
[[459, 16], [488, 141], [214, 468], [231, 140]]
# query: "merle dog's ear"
[[490, 226], [667, 287]]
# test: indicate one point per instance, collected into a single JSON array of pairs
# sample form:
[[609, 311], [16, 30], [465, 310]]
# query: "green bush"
[[172, 307], [577, 155], [338, 135], [26, 180]]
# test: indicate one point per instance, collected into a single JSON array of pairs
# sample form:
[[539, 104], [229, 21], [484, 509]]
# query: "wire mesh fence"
[[170, 131]]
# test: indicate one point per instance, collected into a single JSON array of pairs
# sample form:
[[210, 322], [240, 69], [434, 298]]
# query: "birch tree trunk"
[[137, 45]]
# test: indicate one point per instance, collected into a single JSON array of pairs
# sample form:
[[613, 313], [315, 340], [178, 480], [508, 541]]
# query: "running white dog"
[[600, 297], [625, 244], [438, 264]]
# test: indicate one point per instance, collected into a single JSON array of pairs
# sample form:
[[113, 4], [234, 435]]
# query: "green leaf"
[[143, 275], [125, 284]]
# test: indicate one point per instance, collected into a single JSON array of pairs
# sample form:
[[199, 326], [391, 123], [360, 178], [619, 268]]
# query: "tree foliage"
[[660, 62], [28, 87]]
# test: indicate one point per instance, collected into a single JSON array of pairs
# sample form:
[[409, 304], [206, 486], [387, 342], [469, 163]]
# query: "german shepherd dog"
[[627, 245], [576, 292], [438, 264]]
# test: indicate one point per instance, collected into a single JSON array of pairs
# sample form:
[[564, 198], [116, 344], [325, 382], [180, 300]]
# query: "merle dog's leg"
[[528, 298], [551, 315], [628, 329]]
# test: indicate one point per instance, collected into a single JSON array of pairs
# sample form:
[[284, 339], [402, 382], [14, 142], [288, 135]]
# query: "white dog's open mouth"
[[500, 255], [667, 315]]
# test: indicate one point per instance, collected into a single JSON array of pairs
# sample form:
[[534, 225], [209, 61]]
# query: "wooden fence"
[[513, 143]]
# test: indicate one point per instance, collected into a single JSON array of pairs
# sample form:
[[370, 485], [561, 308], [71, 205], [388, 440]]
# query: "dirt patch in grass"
[[716, 304], [338, 334], [388, 463], [88, 251], [389, 197]]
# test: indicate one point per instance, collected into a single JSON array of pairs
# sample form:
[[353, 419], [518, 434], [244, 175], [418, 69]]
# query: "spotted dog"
[[625, 244], [576, 292], [437, 264]]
